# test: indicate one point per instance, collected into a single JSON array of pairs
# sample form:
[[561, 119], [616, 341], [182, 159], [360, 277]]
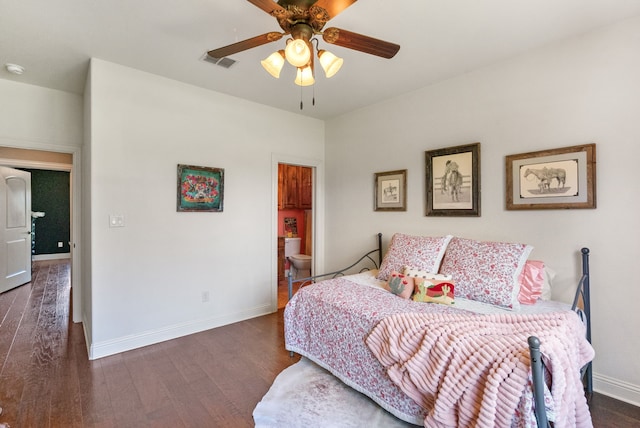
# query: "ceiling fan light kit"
[[274, 63], [297, 52], [303, 20], [329, 62], [304, 76]]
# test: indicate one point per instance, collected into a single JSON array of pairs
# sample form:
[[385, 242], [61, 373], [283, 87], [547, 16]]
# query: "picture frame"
[[453, 181], [562, 178], [390, 190], [200, 189]]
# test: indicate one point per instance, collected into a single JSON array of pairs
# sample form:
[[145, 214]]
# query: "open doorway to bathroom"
[[295, 225]]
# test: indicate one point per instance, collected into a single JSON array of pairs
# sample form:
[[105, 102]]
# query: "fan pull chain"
[[313, 97]]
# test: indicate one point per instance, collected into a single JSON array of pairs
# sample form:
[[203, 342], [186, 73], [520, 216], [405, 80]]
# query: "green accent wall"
[[50, 193]]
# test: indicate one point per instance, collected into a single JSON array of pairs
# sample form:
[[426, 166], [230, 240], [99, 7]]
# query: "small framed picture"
[[391, 191], [453, 181], [200, 188], [552, 179]]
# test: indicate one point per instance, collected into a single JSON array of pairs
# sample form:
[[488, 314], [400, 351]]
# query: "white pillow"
[[549, 274]]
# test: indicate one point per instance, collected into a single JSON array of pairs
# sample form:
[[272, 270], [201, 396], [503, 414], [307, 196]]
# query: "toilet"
[[301, 263]]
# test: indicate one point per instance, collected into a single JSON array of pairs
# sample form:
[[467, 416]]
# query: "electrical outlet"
[[59, 244], [205, 296]]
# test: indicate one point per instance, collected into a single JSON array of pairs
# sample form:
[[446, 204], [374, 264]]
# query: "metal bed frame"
[[367, 258], [537, 365]]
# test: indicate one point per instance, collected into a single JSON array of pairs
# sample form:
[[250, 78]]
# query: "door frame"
[[317, 215], [76, 206]]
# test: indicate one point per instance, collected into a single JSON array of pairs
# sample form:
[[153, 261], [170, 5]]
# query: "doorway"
[[295, 224], [67, 159]]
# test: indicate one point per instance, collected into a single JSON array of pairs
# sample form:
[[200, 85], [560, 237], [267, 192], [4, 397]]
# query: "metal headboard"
[[367, 256]]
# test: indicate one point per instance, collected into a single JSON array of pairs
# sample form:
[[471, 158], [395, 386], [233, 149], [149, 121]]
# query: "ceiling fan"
[[303, 20]]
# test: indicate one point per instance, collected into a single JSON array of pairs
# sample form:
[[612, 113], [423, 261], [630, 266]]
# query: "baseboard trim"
[[58, 256], [617, 389], [127, 343]]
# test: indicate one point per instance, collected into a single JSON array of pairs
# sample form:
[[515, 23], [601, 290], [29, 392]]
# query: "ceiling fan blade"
[[334, 7], [268, 6], [366, 44], [245, 44]]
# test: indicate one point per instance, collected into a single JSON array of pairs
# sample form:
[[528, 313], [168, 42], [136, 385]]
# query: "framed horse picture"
[[390, 190], [453, 181], [552, 179]]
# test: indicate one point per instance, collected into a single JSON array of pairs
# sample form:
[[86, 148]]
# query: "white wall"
[[87, 295], [584, 90], [36, 117], [148, 277]]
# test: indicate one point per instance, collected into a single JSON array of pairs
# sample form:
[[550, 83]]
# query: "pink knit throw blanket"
[[472, 370]]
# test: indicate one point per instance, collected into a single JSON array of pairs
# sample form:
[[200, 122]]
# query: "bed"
[[481, 358]]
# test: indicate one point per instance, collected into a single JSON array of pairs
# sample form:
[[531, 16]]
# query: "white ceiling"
[[439, 39]]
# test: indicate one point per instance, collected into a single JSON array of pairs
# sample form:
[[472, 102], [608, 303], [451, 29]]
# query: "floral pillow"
[[420, 252], [486, 271], [400, 285]]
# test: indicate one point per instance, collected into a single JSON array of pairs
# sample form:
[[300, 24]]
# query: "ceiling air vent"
[[222, 62]]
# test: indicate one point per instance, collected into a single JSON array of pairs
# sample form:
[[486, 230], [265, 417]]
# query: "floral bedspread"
[[328, 323]]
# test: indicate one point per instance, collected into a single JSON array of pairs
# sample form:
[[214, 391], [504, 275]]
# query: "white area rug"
[[306, 395]]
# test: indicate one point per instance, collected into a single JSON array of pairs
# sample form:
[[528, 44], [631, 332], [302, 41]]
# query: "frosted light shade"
[[304, 77], [298, 53], [274, 63], [330, 63]]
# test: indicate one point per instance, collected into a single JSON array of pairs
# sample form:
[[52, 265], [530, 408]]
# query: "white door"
[[15, 228]]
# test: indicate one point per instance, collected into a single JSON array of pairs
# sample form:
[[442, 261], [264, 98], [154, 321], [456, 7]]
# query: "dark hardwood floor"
[[210, 379]]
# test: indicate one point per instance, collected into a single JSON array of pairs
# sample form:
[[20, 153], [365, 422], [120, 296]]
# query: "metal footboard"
[[537, 366]]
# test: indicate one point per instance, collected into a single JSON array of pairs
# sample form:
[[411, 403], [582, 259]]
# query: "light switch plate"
[[116, 220]]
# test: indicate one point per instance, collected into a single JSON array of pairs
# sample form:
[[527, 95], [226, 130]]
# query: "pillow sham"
[[531, 282], [434, 291], [400, 285], [420, 252], [486, 271], [549, 275]]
